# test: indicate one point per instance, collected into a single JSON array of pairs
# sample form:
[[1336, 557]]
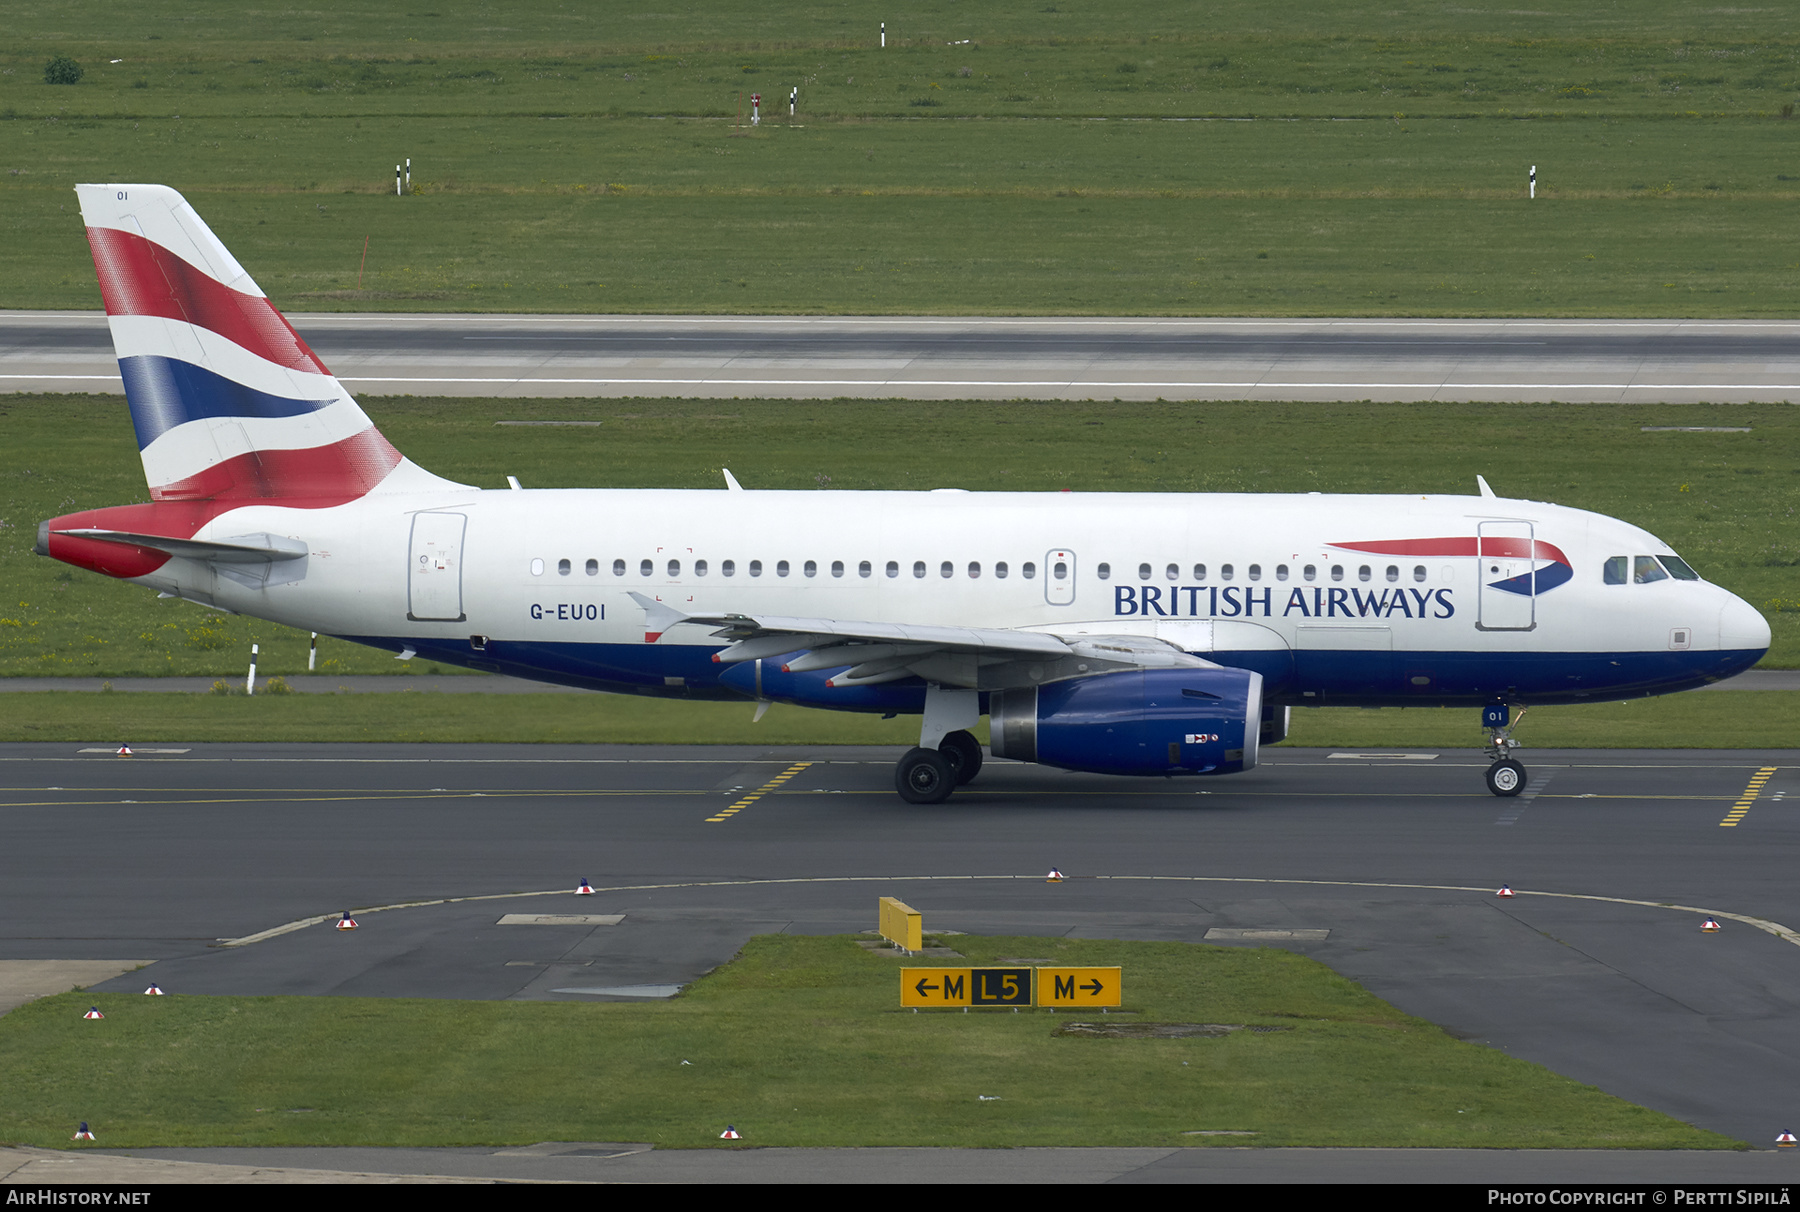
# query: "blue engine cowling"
[[1152, 721]]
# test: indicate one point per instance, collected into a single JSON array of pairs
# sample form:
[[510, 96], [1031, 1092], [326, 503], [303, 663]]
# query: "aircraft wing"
[[982, 658]]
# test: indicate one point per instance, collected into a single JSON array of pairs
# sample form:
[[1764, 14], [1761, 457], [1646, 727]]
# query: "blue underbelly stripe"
[[1345, 679]]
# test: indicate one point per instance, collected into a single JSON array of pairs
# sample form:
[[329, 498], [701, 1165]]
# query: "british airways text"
[[1247, 601]]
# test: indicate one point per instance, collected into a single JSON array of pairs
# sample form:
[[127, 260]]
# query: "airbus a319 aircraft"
[[1124, 633]]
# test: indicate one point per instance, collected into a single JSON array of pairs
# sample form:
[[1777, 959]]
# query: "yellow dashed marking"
[[1742, 807], [771, 785]]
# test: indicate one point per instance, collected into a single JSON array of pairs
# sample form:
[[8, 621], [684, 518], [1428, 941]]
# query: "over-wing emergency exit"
[[1124, 633]]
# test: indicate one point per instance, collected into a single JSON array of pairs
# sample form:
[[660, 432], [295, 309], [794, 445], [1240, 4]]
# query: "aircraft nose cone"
[[1742, 626]]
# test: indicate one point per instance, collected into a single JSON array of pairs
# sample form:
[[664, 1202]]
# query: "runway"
[[224, 865], [1575, 361]]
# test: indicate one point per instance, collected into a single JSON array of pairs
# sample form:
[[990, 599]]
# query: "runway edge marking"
[[1766, 926]]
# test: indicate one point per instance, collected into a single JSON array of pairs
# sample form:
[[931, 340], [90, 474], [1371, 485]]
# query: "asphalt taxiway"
[[224, 866], [1048, 358]]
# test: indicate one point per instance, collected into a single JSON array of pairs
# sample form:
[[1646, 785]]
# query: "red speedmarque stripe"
[[330, 475], [140, 278], [1463, 545]]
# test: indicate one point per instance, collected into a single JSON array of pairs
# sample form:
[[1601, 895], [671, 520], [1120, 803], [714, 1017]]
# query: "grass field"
[[587, 158], [1727, 720], [799, 1042], [1726, 501]]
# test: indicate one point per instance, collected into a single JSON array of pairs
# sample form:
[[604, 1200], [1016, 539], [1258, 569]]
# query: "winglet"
[[731, 484], [1481, 482], [658, 618]]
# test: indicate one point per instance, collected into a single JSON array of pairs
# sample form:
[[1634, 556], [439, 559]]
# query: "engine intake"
[[1151, 721]]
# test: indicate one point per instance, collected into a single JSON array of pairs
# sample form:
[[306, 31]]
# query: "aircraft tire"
[[1506, 777], [964, 754], [924, 776]]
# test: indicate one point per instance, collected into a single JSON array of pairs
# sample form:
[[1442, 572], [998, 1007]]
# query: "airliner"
[[1121, 633]]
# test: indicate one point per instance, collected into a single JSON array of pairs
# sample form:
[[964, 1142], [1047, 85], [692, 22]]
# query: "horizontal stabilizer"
[[239, 549]]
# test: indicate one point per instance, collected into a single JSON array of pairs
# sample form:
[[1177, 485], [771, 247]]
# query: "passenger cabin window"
[[1645, 569], [918, 568], [1224, 572], [674, 568], [781, 568], [1256, 572], [811, 568], [1143, 572], [1060, 570], [646, 568], [699, 568], [1418, 572], [864, 569], [755, 568], [1000, 569], [728, 568], [1393, 572], [837, 568], [618, 568], [1199, 572], [1310, 572], [537, 568], [974, 569], [1613, 571], [893, 568], [946, 570], [1337, 572], [1362, 574], [562, 568], [1281, 572], [593, 568], [1103, 571], [1029, 570], [1173, 572]]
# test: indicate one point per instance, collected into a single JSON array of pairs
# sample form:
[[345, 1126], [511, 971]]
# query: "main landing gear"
[[928, 776], [1506, 777], [948, 755]]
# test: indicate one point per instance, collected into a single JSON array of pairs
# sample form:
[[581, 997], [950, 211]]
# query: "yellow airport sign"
[[1080, 988], [938, 988], [901, 924]]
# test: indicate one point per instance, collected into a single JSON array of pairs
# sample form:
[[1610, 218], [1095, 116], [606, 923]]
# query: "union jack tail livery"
[[228, 402]]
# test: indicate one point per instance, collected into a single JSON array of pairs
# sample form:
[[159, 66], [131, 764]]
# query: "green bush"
[[62, 70]]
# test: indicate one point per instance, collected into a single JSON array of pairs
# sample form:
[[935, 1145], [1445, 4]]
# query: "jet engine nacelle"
[[1152, 721]]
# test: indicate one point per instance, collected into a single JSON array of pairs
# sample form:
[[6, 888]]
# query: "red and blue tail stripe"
[[140, 278], [228, 402]]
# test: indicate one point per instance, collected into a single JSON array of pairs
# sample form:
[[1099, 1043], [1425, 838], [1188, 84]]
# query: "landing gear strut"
[[1507, 776]]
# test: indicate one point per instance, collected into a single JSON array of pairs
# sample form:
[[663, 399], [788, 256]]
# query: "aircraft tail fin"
[[227, 400]]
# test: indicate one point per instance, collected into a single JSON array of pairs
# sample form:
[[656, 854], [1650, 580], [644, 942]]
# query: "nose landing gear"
[[1507, 775]]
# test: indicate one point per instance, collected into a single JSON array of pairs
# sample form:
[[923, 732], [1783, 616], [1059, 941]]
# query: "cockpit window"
[[1678, 568], [1645, 569], [1615, 569]]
